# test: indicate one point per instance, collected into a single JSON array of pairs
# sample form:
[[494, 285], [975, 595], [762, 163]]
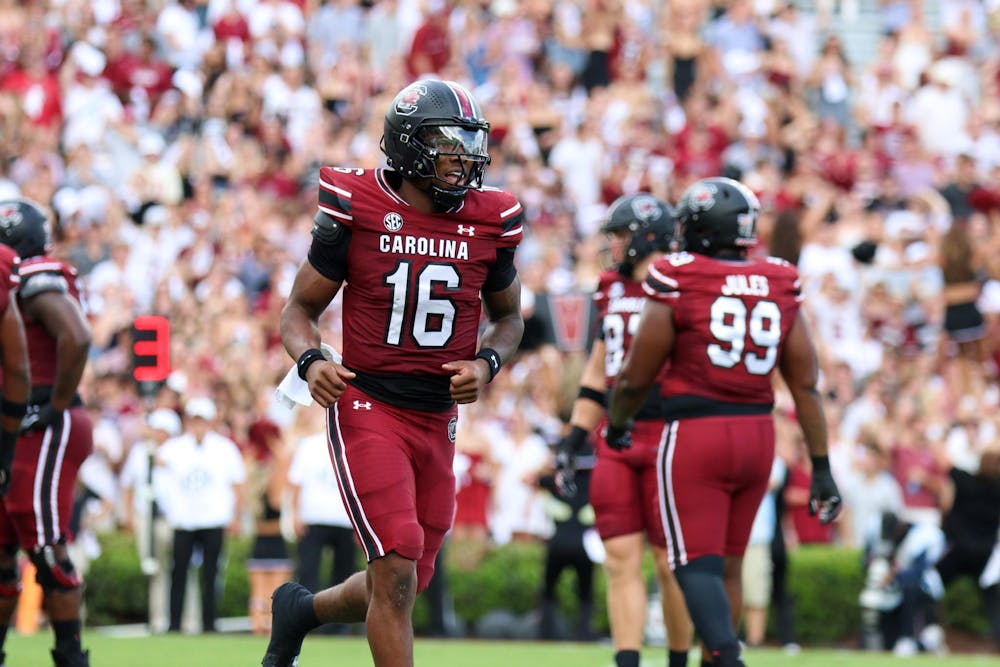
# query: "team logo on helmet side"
[[10, 216], [409, 100], [393, 221], [646, 208], [702, 196]]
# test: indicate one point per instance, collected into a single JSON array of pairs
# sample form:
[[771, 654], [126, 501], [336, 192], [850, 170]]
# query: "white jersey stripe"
[[347, 485], [67, 428], [36, 489], [333, 188], [511, 211], [676, 552], [660, 277], [513, 232], [335, 213], [24, 269]]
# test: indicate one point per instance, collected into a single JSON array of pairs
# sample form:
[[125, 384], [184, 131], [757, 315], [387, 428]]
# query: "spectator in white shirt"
[[143, 516], [202, 478], [320, 518]]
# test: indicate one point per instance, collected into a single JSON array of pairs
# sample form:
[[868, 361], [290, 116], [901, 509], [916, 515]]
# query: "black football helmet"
[[24, 226], [651, 222], [429, 119], [718, 213]]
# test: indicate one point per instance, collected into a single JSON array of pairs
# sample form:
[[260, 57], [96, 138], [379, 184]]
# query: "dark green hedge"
[[824, 583]]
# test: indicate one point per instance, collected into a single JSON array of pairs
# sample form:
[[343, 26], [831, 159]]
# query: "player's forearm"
[[626, 399], [586, 412], [299, 330], [71, 359], [504, 335], [810, 415]]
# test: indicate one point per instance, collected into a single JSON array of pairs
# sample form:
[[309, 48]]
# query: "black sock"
[[3, 635], [627, 659], [67, 636], [677, 659], [305, 614]]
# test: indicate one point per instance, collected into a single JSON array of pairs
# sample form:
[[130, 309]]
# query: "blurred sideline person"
[[56, 432], [269, 564], [144, 516], [201, 476], [623, 486], [724, 322], [422, 249], [319, 515]]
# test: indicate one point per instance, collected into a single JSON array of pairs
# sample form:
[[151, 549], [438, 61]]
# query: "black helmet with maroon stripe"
[[716, 214], [649, 219], [24, 226], [427, 120]]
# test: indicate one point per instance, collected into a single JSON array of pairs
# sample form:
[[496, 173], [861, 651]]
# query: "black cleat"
[[77, 659], [287, 631]]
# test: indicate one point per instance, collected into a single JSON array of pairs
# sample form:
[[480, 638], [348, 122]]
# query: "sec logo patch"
[[452, 428], [393, 221]]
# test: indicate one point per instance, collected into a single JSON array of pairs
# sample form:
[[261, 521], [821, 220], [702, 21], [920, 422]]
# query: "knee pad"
[[410, 540], [52, 574]]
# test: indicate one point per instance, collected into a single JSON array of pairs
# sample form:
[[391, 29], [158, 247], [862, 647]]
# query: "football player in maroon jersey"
[[724, 322], [623, 486], [420, 249], [56, 432], [16, 371]]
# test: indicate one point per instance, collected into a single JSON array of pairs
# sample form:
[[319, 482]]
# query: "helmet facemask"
[[454, 158]]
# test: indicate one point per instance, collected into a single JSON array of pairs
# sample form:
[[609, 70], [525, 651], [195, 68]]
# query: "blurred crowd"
[[177, 144]]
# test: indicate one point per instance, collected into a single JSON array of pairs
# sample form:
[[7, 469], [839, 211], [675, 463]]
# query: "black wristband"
[[820, 463], [12, 409], [575, 439], [492, 358], [591, 394], [307, 358]]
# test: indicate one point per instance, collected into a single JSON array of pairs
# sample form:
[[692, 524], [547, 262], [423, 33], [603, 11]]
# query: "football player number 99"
[[434, 316], [730, 323]]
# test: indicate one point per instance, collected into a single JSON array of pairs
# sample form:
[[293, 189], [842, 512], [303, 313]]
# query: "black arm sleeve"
[[330, 243], [502, 273]]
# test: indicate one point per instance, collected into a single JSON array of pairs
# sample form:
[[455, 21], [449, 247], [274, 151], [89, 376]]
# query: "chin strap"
[[446, 200]]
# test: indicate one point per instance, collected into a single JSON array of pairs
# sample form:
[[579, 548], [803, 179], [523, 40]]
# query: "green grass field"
[[246, 651]]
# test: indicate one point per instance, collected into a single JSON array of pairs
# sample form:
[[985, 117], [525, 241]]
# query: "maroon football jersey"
[[9, 277], [731, 320], [619, 303], [412, 292], [44, 274]]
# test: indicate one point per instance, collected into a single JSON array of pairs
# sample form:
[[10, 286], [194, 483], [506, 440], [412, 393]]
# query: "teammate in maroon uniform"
[[420, 248], [56, 434], [15, 369], [623, 486], [724, 323]]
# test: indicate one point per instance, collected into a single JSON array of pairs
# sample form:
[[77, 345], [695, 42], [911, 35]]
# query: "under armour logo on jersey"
[[362, 405], [393, 221], [467, 231]]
